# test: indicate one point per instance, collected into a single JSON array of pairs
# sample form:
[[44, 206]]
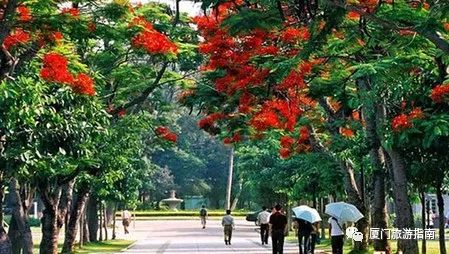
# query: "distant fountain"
[[172, 201]]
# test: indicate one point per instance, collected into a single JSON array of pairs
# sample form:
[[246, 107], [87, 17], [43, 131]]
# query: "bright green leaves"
[[249, 19]]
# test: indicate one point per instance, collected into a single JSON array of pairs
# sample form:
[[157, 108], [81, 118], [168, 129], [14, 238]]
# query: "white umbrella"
[[344, 212], [307, 213]]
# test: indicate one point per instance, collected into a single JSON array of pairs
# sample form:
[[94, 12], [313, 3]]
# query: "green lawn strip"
[[111, 246], [325, 245]]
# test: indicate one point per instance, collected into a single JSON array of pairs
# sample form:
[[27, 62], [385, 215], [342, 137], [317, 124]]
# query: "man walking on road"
[[263, 219], [126, 220], [228, 224], [203, 216], [278, 225]]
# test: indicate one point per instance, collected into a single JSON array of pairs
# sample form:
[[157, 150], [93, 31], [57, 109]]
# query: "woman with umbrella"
[[340, 213], [305, 217]]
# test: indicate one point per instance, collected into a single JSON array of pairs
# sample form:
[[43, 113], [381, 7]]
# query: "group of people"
[[275, 221]]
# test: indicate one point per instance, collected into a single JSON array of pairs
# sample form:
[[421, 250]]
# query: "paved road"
[[175, 237]]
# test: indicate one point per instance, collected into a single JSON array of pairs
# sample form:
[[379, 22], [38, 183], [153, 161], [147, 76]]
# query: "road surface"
[[186, 236]]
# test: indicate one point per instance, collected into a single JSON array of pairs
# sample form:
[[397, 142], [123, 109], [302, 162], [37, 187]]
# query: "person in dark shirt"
[[304, 230], [278, 225]]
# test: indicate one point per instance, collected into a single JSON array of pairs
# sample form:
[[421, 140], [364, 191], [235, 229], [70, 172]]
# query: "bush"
[[32, 221], [161, 213]]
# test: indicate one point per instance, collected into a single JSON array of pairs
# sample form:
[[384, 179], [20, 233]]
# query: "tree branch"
[[140, 99], [429, 35]]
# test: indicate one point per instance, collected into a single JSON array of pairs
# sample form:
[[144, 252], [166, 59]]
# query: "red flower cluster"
[[294, 35], [24, 13], [290, 145], [346, 132], [210, 120], [56, 70], [352, 15], [439, 93], [83, 84], [166, 134], [151, 40], [446, 26], [276, 114], [304, 134], [235, 139], [19, 36], [405, 121], [74, 12], [401, 122]]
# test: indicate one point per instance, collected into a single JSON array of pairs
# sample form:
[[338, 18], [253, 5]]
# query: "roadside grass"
[[432, 246], [106, 247]]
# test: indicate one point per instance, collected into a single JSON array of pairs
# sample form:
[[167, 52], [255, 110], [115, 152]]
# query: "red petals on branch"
[[210, 120], [439, 93], [401, 122], [151, 40], [293, 35], [405, 121], [166, 134], [19, 36], [55, 69], [24, 13], [74, 12], [83, 84]]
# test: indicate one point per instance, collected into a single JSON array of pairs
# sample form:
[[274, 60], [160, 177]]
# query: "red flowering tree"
[[331, 69], [58, 46]]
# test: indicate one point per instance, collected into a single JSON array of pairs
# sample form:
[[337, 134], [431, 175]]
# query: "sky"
[[192, 8]]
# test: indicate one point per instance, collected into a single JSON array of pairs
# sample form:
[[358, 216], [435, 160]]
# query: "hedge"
[[182, 213]]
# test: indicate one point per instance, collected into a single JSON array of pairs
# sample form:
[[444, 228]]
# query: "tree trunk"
[[355, 198], [85, 238], [441, 218], [101, 220], [56, 200], [92, 218], [105, 222], [114, 221], [378, 208], [5, 243], [19, 229], [110, 206], [237, 196], [50, 231], [404, 215], [423, 220], [72, 226]]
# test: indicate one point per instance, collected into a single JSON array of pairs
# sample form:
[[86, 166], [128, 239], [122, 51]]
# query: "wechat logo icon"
[[353, 233]]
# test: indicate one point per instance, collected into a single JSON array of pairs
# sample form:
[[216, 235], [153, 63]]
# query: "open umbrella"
[[343, 212], [307, 213]]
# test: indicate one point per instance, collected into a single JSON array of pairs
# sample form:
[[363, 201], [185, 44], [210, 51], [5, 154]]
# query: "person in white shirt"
[[263, 218], [337, 235], [228, 224], [126, 220], [447, 220]]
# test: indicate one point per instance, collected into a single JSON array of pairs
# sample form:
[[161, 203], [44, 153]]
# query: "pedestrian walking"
[[263, 218], [278, 226], [126, 220], [203, 216], [314, 236], [337, 235], [304, 231], [228, 224]]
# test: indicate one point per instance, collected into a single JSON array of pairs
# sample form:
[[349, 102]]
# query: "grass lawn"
[[433, 246], [111, 246]]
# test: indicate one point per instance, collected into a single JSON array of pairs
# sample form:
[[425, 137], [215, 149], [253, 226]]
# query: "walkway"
[[186, 236]]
